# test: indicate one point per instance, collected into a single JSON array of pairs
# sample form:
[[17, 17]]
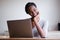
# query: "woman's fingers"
[[36, 18]]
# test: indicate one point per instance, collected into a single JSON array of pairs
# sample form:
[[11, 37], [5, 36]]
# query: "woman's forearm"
[[40, 30]]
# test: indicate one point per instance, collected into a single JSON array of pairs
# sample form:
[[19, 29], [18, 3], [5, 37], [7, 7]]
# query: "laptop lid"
[[20, 28]]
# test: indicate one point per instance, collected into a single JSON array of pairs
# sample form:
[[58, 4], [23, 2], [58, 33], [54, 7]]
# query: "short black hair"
[[28, 5]]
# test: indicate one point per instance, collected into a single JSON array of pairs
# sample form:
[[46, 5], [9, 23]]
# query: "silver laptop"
[[20, 28]]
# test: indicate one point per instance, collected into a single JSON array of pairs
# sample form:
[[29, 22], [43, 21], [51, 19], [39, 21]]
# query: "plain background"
[[14, 9]]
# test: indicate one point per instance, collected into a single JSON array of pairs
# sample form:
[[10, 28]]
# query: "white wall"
[[14, 9], [59, 11], [49, 11]]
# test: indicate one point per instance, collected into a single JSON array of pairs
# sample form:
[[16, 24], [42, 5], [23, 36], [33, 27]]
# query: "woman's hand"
[[36, 18]]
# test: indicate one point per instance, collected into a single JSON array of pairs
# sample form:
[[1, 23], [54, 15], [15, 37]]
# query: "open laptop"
[[20, 28]]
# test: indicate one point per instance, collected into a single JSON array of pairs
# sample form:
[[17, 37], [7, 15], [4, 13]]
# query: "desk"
[[8, 38], [54, 35]]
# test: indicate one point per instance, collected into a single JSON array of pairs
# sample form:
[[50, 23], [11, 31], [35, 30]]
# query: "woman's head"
[[31, 9]]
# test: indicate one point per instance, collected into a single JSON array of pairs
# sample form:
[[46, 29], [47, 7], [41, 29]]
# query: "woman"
[[32, 10]]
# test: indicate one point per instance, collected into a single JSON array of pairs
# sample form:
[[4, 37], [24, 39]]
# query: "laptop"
[[20, 28]]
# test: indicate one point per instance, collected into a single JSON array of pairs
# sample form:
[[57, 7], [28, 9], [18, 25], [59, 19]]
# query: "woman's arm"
[[40, 30]]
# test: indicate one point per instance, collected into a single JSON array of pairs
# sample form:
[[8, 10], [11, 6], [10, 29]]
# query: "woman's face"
[[33, 11]]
